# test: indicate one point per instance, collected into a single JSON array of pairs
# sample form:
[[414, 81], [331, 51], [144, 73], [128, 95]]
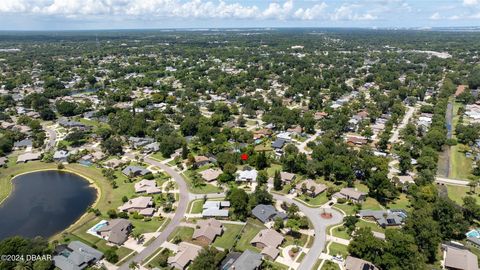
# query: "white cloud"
[[347, 13], [277, 11], [471, 2], [315, 12], [435, 16]]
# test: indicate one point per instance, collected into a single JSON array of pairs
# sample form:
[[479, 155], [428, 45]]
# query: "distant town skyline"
[[143, 14]]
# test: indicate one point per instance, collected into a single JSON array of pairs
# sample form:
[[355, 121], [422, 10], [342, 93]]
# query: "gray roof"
[[135, 170], [278, 143], [76, 256], [385, 217], [266, 213], [23, 143], [249, 260], [118, 230]]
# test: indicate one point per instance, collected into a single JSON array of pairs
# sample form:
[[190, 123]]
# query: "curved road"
[[175, 222], [319, 225]]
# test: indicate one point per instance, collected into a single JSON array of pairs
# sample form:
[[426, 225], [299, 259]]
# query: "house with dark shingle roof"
[[135, 171], [116, 231], [75, 256], [266, 213], [249, 260]]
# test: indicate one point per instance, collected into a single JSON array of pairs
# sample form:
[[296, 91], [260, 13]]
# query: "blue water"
[[44, 203], [473, 233]]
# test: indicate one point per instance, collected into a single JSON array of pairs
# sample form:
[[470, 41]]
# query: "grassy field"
[[456, 194], [196, 206], [185, 233], [320, 200], [372, 225], [349, 209], [401, 203], [158, 156], [230, 234], [371, 203], [460, 165], [250, 230], [338, 249], [299, 240], [340, 232], [202, 188]]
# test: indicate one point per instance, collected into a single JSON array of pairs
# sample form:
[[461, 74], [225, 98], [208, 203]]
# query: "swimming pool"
[[93, 230], [473, 233]]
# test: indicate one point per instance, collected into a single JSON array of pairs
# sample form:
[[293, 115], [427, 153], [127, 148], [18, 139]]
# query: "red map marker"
[[244, 156]]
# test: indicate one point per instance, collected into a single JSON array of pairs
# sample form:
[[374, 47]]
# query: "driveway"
[[174, 223]]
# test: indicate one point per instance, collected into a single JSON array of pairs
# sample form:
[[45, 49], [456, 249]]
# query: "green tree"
[[277, 181]]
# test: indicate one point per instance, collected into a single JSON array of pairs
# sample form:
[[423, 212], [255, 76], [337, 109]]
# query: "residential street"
[[319, 225], [175, 222]]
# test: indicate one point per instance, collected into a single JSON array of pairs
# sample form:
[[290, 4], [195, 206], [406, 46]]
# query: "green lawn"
[[401, 203], [158, 156], [202, 188], [338, 249], [300, 240], [340, 232], [372, 225], [371, 203], [460, 165], [361, 187], [251, 229], [456, 193], [185, 233], [230, 234], [317, 201], [273, 167], [142, 226], [196, 206], [349, 209], [328, 265]]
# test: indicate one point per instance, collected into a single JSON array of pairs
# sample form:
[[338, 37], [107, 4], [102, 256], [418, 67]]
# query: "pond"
[[44, 203]]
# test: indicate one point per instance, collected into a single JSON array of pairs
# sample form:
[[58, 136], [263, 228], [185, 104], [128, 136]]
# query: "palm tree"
[[133, 265], [23, 265]]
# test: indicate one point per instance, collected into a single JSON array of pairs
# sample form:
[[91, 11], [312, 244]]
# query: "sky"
[[146, 14]]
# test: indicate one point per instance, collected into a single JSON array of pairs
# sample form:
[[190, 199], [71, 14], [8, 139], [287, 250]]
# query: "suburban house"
[[268, 240], [28, 157], [3, 161], [25, 143], [351, 194], [142, 205], [266, 213], [60, 156], [75, 256], [356, 140], [385, 218], [116, 231], [247, 175], [133, 171], [248, 260], [201, 160], [138, 142], [147, 186], [278, 144], [207, 230], [312, 188], [287, 177], [457, 257], [353, 263], [185, 255], [210, 174], [114, 163], [258, 134], [215, 209]]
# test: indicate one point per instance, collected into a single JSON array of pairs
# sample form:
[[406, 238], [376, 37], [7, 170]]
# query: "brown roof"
[[186, 253], [352, 263], [352, 193], [209, 229], [356, 139], [457, 258], [460, 89], [268, 237], [319, 188], [270, 251], [210, 174], [286, 176], [201, 158]]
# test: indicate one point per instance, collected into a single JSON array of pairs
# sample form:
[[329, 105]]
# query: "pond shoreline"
[[91, 182]]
